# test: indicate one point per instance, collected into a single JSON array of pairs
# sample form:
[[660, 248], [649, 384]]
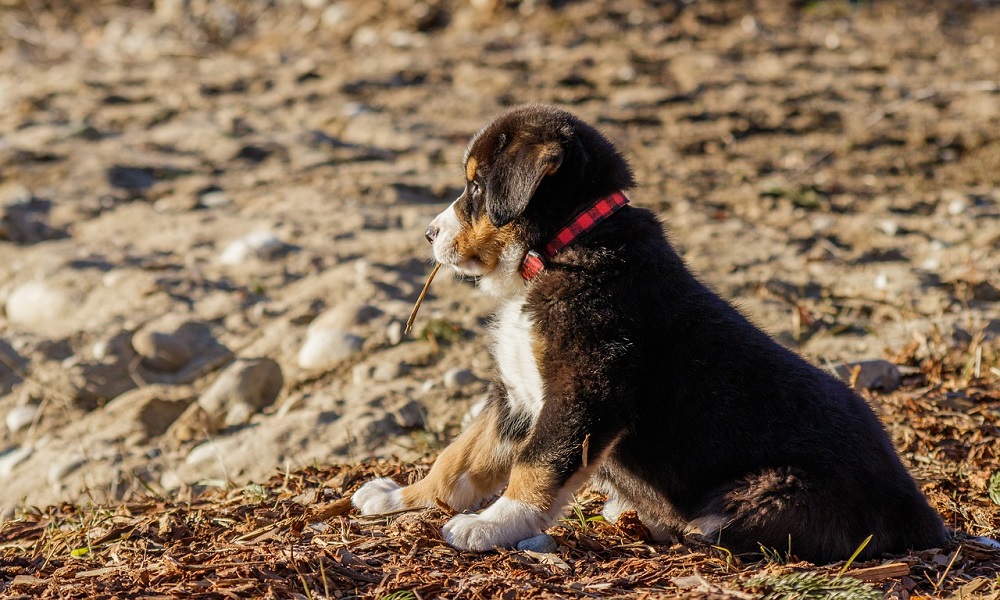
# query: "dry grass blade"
[[420, 299]]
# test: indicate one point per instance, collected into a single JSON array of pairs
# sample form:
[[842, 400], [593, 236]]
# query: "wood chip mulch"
[[296, 535]]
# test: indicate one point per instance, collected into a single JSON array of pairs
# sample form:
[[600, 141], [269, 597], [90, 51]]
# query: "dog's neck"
[[508, 280], [534, 261]]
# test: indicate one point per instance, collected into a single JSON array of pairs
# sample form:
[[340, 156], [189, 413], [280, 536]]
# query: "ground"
[[211, 222]]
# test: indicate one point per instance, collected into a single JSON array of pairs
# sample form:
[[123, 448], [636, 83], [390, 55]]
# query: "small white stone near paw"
[[378, 496]]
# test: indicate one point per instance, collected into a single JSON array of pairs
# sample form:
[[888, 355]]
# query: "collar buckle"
[[532, 265]]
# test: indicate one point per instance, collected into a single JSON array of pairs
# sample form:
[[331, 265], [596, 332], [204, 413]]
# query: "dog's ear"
[[515, 176]]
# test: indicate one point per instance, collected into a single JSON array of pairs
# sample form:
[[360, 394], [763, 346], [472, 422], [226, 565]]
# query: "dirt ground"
[[211, 217]]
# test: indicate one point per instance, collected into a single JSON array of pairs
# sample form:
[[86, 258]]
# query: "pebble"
[[239, 414], [260, 244], [360, 374], [161, 350], [388, 371], [215, 199], [252, 382], [58, 471], [20, 417], [344, 316], [12, 458], [394, 333], [36, 303], [873, 375], [888, 227], [324, 348], [411, 415], [458, 377], [542, 543]]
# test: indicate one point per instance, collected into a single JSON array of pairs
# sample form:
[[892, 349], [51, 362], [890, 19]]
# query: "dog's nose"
[[431, 232]]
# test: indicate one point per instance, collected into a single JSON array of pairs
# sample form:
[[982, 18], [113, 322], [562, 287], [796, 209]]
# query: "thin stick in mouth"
[[420, 299]]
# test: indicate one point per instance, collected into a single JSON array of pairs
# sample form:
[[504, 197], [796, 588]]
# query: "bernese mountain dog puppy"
[[615, 365]]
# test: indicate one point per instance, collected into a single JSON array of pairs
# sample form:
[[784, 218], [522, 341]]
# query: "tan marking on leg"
[[483, 242], [470, 168], [479, 454], [533, 484]]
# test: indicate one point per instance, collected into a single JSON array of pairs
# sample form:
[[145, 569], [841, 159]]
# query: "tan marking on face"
[[470, 168], [478, 453], [484, 243], [532, 484]]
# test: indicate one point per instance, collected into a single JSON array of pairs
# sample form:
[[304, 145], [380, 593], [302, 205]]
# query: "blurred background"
[[211, 213]]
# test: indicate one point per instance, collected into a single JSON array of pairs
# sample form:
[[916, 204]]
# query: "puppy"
[[616, 365]]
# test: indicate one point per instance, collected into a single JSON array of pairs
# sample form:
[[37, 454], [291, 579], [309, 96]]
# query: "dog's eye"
[[474, 188]]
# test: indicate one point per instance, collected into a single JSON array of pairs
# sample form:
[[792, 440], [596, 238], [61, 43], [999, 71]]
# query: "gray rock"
[[458, 377], [21, 417], [411, 415], [161, 350], [542, 543], [879, 375], [253, 382]]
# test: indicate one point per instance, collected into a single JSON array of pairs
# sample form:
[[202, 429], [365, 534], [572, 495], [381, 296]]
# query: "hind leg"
[[781, 509], [626, 493]]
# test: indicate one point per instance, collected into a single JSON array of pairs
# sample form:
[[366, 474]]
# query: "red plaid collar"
[[534, 261]]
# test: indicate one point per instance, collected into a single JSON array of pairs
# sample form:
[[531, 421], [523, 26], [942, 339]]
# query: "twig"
[[420, 299]]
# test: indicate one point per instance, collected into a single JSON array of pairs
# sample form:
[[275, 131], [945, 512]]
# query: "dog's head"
[[526, 174]]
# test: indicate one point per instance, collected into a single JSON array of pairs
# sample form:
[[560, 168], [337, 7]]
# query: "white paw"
[[613, 509], [378, 496], [502, 525]]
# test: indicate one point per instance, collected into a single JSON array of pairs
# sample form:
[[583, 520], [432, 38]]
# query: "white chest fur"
[[515, 356]]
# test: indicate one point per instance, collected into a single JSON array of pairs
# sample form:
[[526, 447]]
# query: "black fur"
[[701, 412]]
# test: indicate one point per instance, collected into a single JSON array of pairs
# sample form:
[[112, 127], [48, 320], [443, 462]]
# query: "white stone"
[[203, 452], [394, 333], [387, 371], [888, 227], [216, 199], [36, 303], [325, 348], [13, 458], [260, 244], [21, 417], [239, 414]]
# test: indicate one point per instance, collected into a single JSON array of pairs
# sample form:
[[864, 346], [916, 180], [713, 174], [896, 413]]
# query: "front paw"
[[378, 496], [502, 525]]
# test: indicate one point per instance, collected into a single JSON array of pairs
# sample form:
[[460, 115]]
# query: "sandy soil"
[[188, 184]]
